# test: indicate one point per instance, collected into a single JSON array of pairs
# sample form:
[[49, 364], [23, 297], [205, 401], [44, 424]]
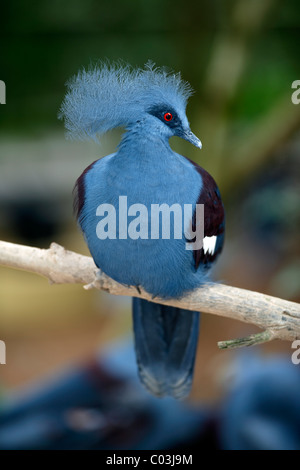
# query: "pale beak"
[[187, 134]]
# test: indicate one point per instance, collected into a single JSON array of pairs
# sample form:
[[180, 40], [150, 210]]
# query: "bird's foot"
[[98, 282], [129, 286]]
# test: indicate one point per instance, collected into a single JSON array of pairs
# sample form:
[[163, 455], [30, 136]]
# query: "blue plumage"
[[150, 103]]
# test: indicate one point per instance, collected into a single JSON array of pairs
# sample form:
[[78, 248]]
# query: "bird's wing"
[[79, 188], [79, 192], [214, 219]]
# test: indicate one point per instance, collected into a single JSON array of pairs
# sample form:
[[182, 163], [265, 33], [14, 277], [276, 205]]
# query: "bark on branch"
[[280, 319]]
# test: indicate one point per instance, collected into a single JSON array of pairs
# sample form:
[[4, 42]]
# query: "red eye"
[[168, 117]]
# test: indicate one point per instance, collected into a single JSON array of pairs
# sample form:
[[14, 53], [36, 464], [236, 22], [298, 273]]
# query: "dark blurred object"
[[269, 212], [34, 221], [102, 405], [99, 406], [262, 412]]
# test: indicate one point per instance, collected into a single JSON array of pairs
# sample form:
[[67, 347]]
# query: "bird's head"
[[110, 96]]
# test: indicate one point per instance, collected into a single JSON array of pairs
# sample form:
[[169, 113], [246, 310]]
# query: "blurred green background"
[[241, 58]]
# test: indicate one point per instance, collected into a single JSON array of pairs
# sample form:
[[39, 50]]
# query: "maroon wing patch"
[[79, 192], [214, 217]]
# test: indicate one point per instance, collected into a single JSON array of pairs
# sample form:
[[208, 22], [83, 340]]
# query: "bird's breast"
[[134, 222]]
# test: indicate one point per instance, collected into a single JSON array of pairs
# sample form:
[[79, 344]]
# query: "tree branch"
[[280, 319]]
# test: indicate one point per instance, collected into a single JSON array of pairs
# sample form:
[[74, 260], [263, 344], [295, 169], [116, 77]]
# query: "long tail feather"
[[165, 342]]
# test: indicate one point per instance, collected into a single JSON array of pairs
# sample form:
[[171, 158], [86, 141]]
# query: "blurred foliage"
[[241, 58], [44, 43]]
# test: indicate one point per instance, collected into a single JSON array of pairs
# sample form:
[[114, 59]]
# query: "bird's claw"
[[97, 283]]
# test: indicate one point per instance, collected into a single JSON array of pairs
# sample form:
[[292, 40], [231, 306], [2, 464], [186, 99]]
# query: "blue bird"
[[262, 409], [99, 405], [124, 187]]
